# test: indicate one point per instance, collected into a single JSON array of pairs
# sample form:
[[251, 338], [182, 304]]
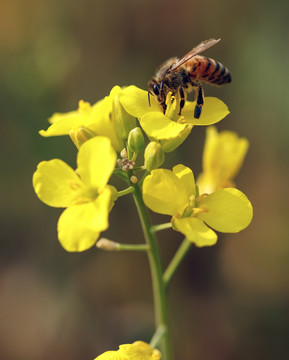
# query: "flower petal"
[[56, 183], [171, 144], [100, 119], [139, 350], [96, 161], [163, 192], [195, 231], [79, 226], [187, 180], [223, 156], [62, 123], [160, 127], [229, 210], [213, 111], [96, 118], [135, 101]]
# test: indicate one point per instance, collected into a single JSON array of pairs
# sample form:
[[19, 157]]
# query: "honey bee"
[[181, 76]]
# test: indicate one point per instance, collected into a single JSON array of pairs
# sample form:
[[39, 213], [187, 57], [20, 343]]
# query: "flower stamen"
[[199, 210], [201, 197], [172, 102]]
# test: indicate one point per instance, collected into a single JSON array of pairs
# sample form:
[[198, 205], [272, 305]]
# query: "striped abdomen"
[[208, 70]]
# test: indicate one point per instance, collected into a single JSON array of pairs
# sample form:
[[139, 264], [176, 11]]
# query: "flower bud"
[[136, 140], [133, 179], [123, 122], [106, 244], [123, 153], [80, 135], [154, 156]]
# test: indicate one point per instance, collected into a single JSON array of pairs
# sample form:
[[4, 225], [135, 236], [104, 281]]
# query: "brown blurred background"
[[228, 302]]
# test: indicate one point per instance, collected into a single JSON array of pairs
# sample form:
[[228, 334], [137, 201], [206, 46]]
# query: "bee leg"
[[199, 101], [163, 96], [182, 96], [164, 106]]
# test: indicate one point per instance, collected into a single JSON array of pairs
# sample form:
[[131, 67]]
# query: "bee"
[[181, 76]]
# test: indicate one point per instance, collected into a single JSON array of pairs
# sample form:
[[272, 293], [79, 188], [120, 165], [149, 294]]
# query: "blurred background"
[[228, 302]]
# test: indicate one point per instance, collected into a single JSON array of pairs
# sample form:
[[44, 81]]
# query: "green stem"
[[132, 247], [109, 245], [159, 290], [142, 179], [157, 336], [121, 174], [126, 191], [156, 228], [139, 168], [176, 261]]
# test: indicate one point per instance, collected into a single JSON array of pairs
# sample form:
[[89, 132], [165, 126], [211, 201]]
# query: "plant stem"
[[159, 289], [109, 245], [157, 336], [143, 177], [125, 191], [131, 247], [176, 260], [156, 228]]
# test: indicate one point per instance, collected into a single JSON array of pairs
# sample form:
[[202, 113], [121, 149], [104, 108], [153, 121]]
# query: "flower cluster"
[[123, 135]]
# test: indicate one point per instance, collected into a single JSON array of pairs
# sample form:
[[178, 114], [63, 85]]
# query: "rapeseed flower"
[[171, 129], [195, 215], [139, 350], [223, 156], [84, 192], [103, 118]]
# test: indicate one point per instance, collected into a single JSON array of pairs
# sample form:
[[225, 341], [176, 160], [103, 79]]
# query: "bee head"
[[154, 87]]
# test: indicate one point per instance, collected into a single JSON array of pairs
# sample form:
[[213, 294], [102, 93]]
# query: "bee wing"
[[204, 45]]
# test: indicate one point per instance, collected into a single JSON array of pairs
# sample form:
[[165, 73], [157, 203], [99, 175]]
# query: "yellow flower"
[[175, 193], [223, 157], [169, 128], [84, 192], [96, 118], [139, 350]]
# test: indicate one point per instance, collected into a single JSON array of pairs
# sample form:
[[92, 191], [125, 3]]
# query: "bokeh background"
[[227, 302]]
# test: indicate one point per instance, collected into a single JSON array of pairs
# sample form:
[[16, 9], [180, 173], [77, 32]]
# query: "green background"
[[227, 302]]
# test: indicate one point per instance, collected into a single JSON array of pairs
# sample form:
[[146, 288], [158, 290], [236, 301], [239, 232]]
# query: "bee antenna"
[[149, 99]]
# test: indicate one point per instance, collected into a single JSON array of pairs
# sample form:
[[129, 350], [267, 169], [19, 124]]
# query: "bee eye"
[[156, 89]]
